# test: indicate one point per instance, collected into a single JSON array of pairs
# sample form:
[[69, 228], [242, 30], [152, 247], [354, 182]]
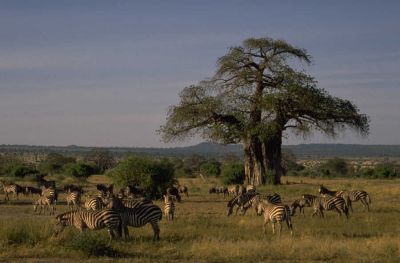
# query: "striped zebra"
[[94, 203], [43, 202], [335, 203], [169, 207], [349, 196], [50, 193], [92, 220], [253, 202], [239, 201], [73, 199], [139, 216], [275, 214], [299, 203], [13, 189], [132, 203]]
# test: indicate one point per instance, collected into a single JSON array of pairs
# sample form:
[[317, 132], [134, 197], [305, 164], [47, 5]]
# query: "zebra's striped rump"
[[93, 220], [73, 199], [42, 202], [337, 204], [253, 202], [239, 201]]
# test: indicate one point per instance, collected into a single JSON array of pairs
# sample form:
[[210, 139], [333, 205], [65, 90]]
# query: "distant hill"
[[217, 150]]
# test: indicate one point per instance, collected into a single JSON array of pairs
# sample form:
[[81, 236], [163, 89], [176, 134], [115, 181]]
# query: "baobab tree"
[[257, 94]]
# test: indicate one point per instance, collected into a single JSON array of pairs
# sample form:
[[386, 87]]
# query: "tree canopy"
[[258, 92]]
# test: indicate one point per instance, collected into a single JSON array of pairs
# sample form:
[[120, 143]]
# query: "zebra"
[[132, 203], [330, 203], [169, 207], [32, 190], [349, 196], [300, 203], [253, 202], [240, 201], [51, 193], [138, 216], [44, 201], [94, 203], [104, 191], [275, 214], [74, 199], [234, 190], [94, 220], [183, 190], [14, 189]]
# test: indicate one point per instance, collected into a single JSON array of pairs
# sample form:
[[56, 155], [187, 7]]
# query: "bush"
[[80, 170], [232, 173], [334, 167], [23, 170], [154, 176], [91, 244], [211, 168], [385, 171]]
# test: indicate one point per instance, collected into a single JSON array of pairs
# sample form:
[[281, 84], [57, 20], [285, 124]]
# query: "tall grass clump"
[[23, 233]]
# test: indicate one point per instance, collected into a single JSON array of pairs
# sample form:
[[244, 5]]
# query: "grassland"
[[203, 233]]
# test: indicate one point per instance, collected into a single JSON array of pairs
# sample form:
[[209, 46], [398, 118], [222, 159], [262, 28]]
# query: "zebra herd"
[[275, 211], [116, 212], [104, 210]]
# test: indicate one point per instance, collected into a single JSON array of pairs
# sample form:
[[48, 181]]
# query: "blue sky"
[[103, 73]]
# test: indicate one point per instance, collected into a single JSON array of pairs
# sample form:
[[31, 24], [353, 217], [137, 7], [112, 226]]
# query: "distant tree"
[[335, 166], [54, 163], [289, 161], [211, 168], [80, 170], [254, 97], [102, 158], [232, 173], [385, 171], [153, 176]]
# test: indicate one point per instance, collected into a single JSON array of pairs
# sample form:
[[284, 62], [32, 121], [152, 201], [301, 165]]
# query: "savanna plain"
[[202, 232]]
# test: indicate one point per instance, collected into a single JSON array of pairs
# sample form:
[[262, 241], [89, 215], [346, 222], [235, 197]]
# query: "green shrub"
[[80, 170], [92, 244], [232, 173], [211, 168], [153, 176], [385, 171], [22, 170], [334, 167]]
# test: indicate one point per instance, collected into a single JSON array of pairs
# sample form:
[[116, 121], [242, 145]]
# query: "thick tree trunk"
[[255, 171], [273, 157]]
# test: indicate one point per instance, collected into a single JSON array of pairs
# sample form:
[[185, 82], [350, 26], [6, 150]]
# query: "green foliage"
[[232, 173], [289, 162], [334, 167], [54, 163], [103, 159], [23, 170], [381, 171], [80, 170], [91, 244], [154, 176], [211, 168]]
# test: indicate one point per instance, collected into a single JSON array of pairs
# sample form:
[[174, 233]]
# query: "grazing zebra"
[[93, 220], [173, 191], [349, 196], [300, 203], [169, 207], [32, 190], [275, 214], [240, 201], [219, 190], [14, 189], [138, 216], [94, 203], [74, 199], [50, 193], [253, 202], [330, 203], [42, 202]]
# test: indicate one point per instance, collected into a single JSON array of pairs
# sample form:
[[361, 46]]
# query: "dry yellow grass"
[[203, 233]]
